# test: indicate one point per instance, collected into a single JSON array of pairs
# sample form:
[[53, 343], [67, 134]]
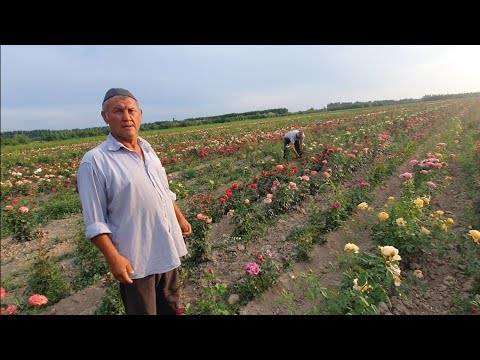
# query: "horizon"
[[196, 81], [206, 117]]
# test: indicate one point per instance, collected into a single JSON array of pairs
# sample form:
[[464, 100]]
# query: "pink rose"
[[252, 268], [431, 184], [180, 310], [11, 309], [37, 300]]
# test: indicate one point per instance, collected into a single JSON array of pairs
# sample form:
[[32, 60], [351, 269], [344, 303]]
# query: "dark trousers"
[[287, 141], [157, 294]]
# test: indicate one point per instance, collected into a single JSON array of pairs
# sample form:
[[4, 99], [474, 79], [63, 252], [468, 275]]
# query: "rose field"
[[381, 215]]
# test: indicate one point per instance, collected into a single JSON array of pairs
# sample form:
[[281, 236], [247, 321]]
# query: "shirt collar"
[[115, 145]]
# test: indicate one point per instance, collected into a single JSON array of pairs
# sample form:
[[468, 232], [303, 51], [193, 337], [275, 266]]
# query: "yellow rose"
[[418, 274], [363, 206], [383, 215], [425, 231], [351, 247], [475, 234], [390, 252], [418, 202]]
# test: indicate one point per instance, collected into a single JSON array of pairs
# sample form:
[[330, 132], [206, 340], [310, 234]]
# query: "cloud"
[[61, 87]]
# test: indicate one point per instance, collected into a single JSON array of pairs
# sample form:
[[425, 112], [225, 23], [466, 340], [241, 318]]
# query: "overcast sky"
[[62, 87]]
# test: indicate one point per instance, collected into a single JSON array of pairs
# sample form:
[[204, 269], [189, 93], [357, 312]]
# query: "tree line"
[[366, 104], [24, 137]]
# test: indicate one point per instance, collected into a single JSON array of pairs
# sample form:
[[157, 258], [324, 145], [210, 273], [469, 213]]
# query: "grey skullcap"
[[117, 91]]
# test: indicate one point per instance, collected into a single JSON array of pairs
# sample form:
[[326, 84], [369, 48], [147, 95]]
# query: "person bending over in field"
[[295, 138]]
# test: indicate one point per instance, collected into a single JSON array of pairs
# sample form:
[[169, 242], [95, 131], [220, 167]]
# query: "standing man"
[[295, 137], [130, 213]]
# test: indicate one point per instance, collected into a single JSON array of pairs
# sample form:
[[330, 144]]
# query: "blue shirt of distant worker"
[[295, 137]]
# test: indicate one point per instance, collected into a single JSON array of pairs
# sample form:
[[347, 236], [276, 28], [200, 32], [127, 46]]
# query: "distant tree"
[[21, 139]]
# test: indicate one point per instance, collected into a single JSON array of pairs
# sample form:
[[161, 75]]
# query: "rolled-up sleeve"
[[93, 197], [173, 196]]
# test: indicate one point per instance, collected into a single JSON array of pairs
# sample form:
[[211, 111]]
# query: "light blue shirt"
[[292, 135], [130, 199]]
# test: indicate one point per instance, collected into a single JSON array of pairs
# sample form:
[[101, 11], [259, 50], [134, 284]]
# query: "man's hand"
[[295, 151], [186, 227], [184, 224], [121, 267]]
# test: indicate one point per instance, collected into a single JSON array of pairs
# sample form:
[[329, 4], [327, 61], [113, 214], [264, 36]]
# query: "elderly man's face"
[[124, 117]]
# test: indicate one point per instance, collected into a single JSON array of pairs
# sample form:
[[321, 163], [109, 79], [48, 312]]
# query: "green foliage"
[[448, 96], [304, 239], [379, 173], [19, 223], [366, 104], [374, 284], [288, 299], [112, 302], [250, 223], [64, 204], [337, 212], [90, 262], [409, 227], [190, 173], [16, 280], [213, 297], [46, 277], [468, 158], [199, 242], [18, 138], [251, 285], [404, 235], [470, 255], [181, 190], [470, 304]]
